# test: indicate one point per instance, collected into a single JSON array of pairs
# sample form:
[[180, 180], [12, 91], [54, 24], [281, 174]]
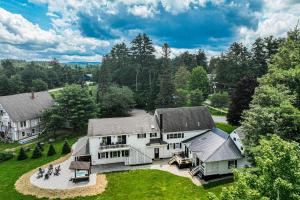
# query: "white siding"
[[221, 167]]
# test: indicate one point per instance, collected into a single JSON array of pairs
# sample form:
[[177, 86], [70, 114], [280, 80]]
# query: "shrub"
[[6, 156], [36, 152], [220, 99], [22, 155], [40, 146], [51, 150], [196, 97], [66, 148]]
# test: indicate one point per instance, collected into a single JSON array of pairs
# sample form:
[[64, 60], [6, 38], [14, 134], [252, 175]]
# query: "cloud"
[[142, 11], [16, 30]]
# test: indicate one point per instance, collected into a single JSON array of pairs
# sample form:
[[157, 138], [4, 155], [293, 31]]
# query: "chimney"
[[160, 122], [32, 94]]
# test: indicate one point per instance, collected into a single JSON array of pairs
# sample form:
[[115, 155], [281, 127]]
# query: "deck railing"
[[113, 146]]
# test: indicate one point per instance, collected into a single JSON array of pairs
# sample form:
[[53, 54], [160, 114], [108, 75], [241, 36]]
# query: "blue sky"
[[85, 30]]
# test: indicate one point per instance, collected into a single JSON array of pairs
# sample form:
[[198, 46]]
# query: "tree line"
[[21, 76]]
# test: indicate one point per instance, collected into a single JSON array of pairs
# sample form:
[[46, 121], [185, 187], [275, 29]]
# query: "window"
[[175, 135], [1, 112], [168, 146], [102, 155], [242, 148], [142, 135], [232, 164], [114, 154], [33, 130], [125, 153], [23, 124], [23, 134], [234, 139], [153, 135]]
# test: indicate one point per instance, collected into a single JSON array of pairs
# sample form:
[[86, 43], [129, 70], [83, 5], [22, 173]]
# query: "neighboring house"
[[20, 115], [142, 138]]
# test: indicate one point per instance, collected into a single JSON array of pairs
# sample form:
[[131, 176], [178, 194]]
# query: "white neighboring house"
[[20, 115], [142, 138]]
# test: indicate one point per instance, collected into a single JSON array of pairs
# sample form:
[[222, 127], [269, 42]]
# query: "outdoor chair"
[[46, 176]]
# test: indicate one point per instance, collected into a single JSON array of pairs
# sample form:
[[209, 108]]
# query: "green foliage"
[[66, 148], [275, 176], [181, 97], [198, 80], [39, 145], [5, 156], [225, 127], [181, 78], [51, 150], [39, 85], [274, 108], [220, 99], [117, 101], [76, 106], [22, 155], [36, 152], [52, 119], [165, 97], [240, 99], [196, 97]]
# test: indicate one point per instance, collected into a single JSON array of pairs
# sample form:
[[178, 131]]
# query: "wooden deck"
[[180, 160]]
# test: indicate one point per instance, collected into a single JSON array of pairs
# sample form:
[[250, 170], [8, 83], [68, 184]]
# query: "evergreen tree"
[[66, 148], [104, 80], [199, 80], [240, 99], [196, 97], [165, 96], [51, 150], [39, 145], [36, 152], [201, 59], [22, 155]]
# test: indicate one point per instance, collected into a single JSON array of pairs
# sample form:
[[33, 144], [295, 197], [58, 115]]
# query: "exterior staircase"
[[172, 160], [136, 157], [194, 171]]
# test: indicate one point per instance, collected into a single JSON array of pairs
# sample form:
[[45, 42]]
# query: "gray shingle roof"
[[214, 145], [82, 147], [21, 107], [185, 119], [138, 122]]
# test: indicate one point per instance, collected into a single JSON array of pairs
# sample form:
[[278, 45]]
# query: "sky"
[[85, 30]]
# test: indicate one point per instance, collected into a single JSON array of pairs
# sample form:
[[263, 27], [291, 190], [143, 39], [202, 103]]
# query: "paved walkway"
[[158, 165], [219, 119]]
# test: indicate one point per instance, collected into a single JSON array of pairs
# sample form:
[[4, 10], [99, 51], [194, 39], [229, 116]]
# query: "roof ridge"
[[216, 149]]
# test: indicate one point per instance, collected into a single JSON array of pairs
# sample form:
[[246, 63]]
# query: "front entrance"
[[156, 153]]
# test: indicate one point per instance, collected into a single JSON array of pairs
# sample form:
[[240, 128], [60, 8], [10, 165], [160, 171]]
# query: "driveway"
[[221, 119]]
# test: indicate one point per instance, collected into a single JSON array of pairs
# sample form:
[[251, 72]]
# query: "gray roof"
[[240, 132], [185, 119], [138, 122], [82, 147], [214, 145], [21, 107], [80, 165]]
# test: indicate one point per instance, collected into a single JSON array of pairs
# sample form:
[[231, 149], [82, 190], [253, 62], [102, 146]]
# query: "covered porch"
[[82, 171]]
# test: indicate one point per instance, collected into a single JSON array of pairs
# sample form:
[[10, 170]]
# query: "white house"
[[142, 138], [20, 115]]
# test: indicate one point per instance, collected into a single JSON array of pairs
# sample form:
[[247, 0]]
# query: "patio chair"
[[46, 176]]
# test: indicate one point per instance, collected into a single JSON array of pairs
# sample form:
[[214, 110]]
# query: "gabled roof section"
[[213, 145], [82, 147], [138, 122], [185, 119], [21, 107]]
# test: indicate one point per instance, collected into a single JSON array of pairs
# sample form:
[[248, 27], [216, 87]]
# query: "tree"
[[51, 150], [53, 119], [104, 80], [22, 155], [275, 176], [186, 59], [76, 106], [36, 152], [117, 101], [39, 85], [181, 78], [275, 105], [240, 99], [220, 99], [66, 148], [201, 59], [8, 68], [196, 97], [165, 97], [199, 80]]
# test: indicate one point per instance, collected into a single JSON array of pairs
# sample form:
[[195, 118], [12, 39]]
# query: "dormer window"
[[242, 148], [234, 139]]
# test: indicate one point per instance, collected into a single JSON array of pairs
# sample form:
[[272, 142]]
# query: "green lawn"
[[225, 127], [140, 184]]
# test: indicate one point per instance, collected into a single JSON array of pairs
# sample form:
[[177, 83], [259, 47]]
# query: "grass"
[[12, 169], [152, 184], [139, 184], [225, 127], [216, 112]]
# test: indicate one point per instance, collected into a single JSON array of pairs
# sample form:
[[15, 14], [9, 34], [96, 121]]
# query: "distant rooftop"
[[21, 107]]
